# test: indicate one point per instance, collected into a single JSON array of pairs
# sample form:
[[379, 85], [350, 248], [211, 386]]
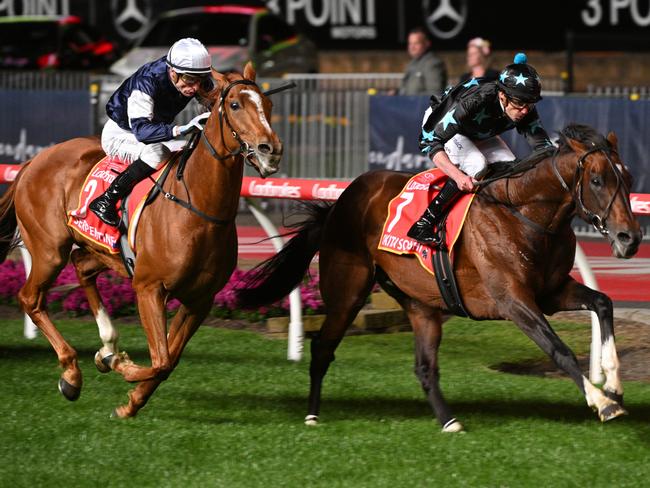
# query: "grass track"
[[231, 416]]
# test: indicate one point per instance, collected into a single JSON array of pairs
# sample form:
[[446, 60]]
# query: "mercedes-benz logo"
[[445, 18], [131, 17]]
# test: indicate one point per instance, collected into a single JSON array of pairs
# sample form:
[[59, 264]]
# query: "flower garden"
[[119, 297]]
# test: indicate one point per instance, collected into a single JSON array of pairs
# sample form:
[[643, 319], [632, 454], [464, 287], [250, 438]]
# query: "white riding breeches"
[[473, 156], [123, 145]]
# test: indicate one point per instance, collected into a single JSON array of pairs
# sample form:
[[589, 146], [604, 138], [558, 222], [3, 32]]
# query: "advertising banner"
[[33, 120]]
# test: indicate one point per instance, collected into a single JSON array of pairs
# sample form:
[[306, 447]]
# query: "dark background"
[[622, 25]]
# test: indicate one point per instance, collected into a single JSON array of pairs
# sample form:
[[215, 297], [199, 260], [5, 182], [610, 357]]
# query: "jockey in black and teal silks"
[[460, 133]]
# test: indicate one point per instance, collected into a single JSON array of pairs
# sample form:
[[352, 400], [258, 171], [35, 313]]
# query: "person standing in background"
[[425, 74], [478, 61]]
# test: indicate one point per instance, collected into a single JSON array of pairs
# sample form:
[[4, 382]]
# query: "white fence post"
[[296, 336], [595, 371]]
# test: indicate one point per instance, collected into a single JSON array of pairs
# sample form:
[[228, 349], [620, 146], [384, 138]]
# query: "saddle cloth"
[[88, 225], [409, 205]]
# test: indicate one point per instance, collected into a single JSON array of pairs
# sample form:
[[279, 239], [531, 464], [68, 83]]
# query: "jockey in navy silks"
[[141, 114], [460, 133]]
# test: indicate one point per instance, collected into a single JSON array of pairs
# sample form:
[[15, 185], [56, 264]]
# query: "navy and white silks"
[[466, 124], [141, 116]]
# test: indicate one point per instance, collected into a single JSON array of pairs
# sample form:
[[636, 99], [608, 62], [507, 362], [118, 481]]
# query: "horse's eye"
[[596, 181], [234, 106]]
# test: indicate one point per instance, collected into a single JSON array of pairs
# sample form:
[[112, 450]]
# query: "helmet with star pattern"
[[520, 81]]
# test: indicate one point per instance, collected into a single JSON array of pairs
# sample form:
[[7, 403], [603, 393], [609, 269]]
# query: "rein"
[[191, 145], [243, 149]]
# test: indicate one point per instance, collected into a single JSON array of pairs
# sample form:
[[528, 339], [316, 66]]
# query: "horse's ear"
[[219, 79], [577, 146], [612, 139], [249, 71]]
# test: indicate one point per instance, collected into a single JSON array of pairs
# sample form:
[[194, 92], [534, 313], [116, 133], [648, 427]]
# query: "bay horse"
[[512, 261], [187, 254]]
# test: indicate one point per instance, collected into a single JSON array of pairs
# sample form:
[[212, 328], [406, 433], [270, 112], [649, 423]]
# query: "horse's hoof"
[[612, 411], [612, 395], [453, 426], [311, 420], [120, 413], [69, 391], [103, 364]]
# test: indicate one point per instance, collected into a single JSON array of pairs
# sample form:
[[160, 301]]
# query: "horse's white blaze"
[[257, 100], [610, 365], [107, 332]]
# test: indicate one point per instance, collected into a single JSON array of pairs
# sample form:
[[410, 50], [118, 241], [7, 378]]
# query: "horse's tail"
[[8, 222], [274, 278]]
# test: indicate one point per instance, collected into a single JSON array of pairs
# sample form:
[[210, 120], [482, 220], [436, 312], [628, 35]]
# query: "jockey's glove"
[[194, 125]]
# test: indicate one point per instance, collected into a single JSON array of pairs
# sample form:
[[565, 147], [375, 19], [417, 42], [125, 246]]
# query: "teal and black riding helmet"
[[520, 81]]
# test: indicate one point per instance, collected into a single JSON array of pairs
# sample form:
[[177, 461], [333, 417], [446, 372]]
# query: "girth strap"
[[444, 272]]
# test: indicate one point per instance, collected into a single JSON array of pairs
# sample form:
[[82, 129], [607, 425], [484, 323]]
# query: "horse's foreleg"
[[151, 305], [427, 328], [576, 296], [532, 322], [182, 328], [32, 299], [87, 268]]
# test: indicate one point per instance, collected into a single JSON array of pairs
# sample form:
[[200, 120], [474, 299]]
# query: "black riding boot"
[[104, 205], [424, 229]]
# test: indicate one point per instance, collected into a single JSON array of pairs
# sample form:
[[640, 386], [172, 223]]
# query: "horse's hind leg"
[[183, 326], [576, 296], [88, 268], [427, 328], [345, 284], [46, 266]]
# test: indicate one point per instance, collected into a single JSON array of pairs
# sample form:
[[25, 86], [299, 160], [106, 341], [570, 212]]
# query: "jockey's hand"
[[194, 125], [464, 182]]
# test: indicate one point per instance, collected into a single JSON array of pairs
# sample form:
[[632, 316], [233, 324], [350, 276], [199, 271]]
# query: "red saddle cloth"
[[407, 207], [88, 224]]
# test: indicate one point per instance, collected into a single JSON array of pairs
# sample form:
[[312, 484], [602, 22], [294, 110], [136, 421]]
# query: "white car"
[[233, 35]]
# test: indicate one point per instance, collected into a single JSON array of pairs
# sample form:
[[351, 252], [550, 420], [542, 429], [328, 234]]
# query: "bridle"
[[598, 221], [224, 120]]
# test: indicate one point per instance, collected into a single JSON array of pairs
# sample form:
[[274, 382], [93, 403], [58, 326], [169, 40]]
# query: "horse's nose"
[[265, 148]]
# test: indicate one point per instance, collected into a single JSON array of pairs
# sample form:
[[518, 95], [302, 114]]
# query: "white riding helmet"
[[188, 55]]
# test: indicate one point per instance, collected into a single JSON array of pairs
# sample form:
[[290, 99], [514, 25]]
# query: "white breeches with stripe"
[[122, 144]]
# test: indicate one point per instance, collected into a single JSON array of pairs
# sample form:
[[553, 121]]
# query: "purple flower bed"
[[119, 297]]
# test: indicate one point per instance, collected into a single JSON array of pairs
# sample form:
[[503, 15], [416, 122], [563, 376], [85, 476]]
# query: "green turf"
[[231, 416]]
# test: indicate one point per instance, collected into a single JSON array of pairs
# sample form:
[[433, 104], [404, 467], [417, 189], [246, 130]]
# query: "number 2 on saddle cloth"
[[89, 226]]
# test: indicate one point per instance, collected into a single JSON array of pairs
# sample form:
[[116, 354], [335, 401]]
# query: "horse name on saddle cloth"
[[89, 225], [407, 207]]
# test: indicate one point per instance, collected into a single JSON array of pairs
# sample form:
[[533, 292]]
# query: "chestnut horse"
[[180, 253], [512, 261]]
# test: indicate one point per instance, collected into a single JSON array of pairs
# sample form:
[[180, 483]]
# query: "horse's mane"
[[582, 133]]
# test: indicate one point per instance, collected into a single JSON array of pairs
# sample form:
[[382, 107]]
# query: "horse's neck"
[[214, 185], [538, 194]]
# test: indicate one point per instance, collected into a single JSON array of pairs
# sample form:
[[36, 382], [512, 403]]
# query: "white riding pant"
[[122, 144], [473, 156]]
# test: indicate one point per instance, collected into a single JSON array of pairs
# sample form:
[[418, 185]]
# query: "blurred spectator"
[[478, 61], [426, 74]]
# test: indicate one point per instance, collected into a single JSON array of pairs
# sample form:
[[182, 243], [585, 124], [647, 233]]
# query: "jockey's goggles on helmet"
[[519, 105], [190, 79]]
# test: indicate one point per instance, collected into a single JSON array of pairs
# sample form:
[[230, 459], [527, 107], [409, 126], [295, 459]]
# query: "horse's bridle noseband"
[[598, 221]]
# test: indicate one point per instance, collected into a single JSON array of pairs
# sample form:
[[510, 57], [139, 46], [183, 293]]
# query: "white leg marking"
[[610, 365], [107, 332], [257, 100]]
